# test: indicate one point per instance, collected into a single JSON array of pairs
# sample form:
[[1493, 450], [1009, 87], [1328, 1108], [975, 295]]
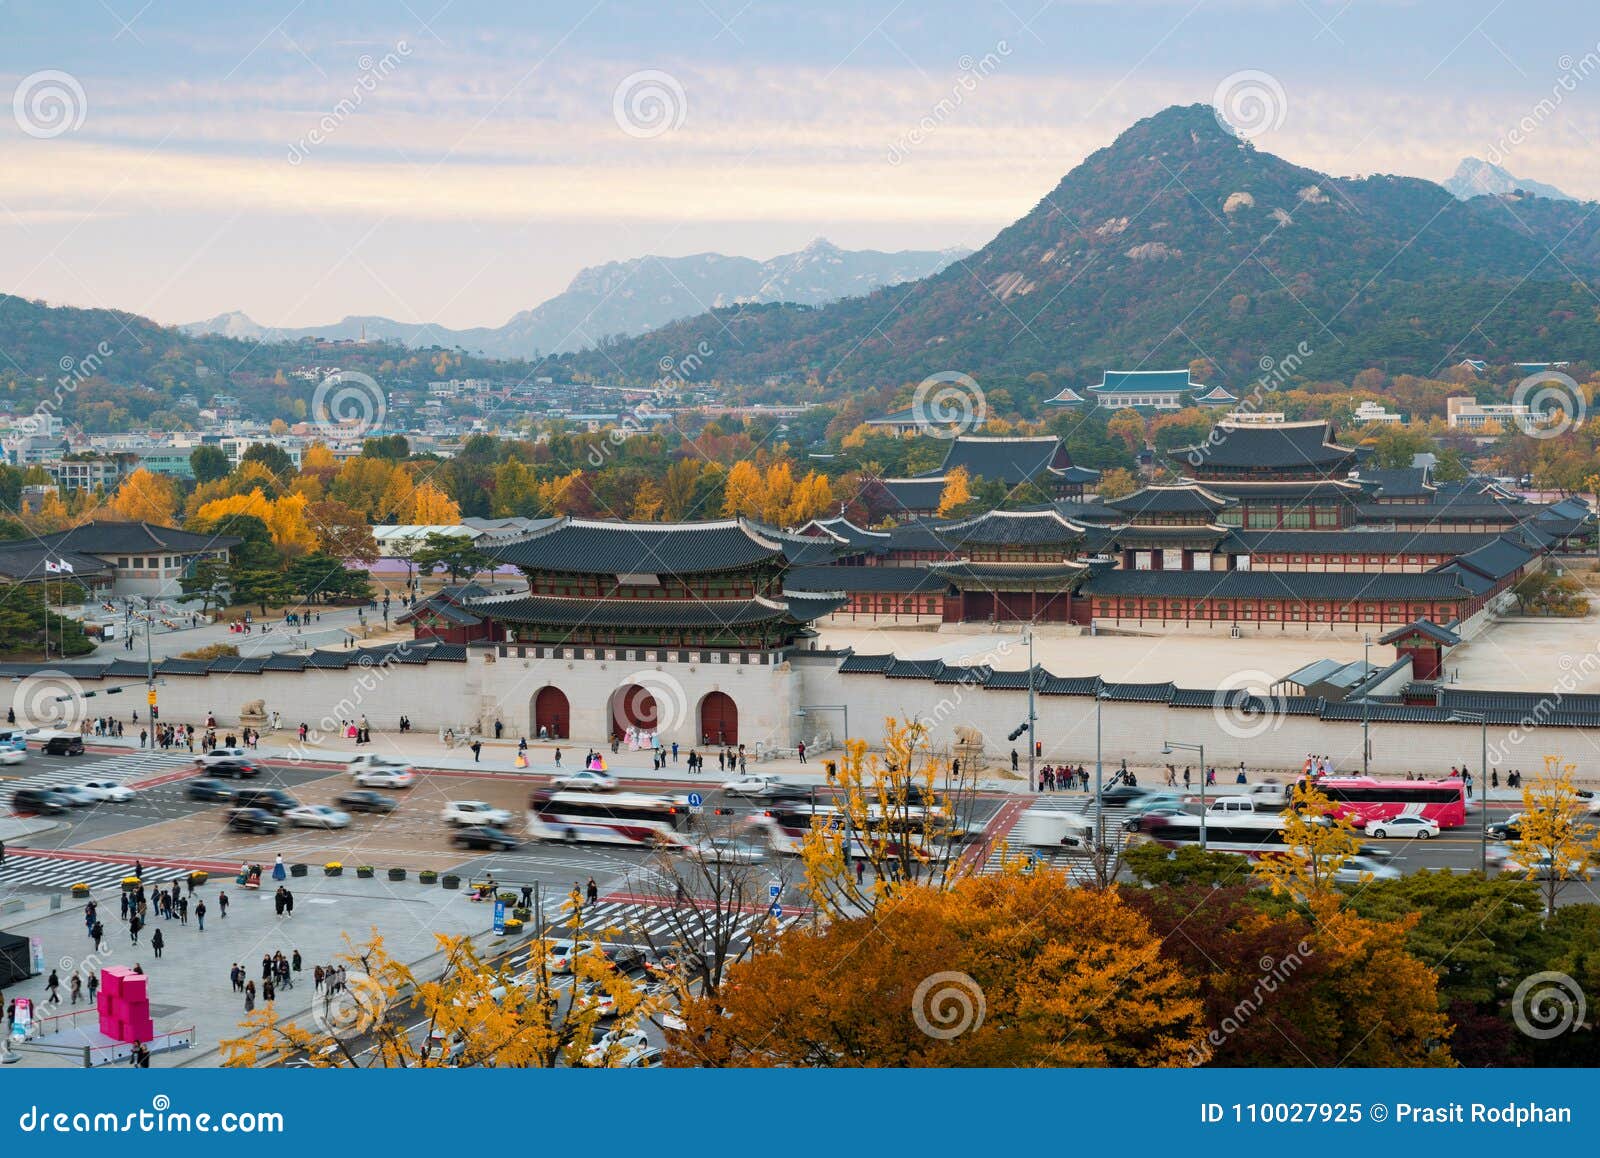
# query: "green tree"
[[209, 463], [272, 456], [455, 554], [1155, 864], [393, 447], [320, 577], [210, 580]]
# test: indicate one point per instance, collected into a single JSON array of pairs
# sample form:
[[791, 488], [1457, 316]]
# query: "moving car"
[[222, 756], [108, 790], [1508, 829], [1543, 868], [274, 800], [562, 953], [1357, 869], [317, 816], [206, 788], [721, 849], [61, 743], [10, 755], [252, 820], [238, 769], [615, 1045], [587, 780], [765, 788], [638, 1059], [464, 812], [367, 802], [394, 776], [77, 797], [1419, 827], [44, 801], [483, 836]]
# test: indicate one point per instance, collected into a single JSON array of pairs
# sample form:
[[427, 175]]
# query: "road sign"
[[775, 911], [696, 800], [150, 697], [499, 917], [774, 891]]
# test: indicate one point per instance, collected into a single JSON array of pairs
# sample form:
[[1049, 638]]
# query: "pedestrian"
[[861, 872], [294, 962], [592, 893], [1013, 759], [127, 902], [268, 990], [801, 748], [477, 750], [183, 910], [76, 988], [236, 978], [250, 997], [94, 986], [222, 903], [98, 935], [266, 966], [316, 979], [134, 925], [200, 915], [54, 986], [2, 852], [288, 903], [279, 873], [141, 1056], [527, 896], [558, 757], [157, 942]]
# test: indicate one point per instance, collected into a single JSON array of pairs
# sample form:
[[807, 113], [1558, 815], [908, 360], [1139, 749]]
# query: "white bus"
[[608, 818], [786, 826], [1251, 835]]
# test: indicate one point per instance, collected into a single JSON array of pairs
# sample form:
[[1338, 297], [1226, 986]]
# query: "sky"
[[453, 161]]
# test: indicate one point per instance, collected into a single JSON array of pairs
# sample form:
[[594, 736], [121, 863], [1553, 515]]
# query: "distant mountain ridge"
[[1180, 240], [626, 298], [1475, 177]]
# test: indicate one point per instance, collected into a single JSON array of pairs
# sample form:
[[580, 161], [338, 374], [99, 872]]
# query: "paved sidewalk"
[[189, 983]]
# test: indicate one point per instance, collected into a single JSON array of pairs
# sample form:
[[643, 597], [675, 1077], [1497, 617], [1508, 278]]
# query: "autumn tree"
[[955, 494], [1554, 843], [1117, 483], [898, 817], [146, 497], [1318, 840], [1129, 426], [1005, 970], [342, 531], [431, 507], [466, 1013]]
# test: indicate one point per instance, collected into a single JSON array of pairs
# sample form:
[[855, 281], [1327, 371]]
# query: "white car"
[[616, 1045], [317, 816], [108, 790], [587, 780], [1358, 869], [399, 776], [1404, 826], [722, 850], [759, 786], [465, 812], [592, 998], [1541, 869], [222, 756], [13, 755], [562, 954]]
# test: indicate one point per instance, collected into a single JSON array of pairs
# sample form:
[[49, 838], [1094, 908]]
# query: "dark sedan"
[[253, 820], [363, 801], [1508, 829], [43, 801], [237, 769], [208, 789], [483, 836]]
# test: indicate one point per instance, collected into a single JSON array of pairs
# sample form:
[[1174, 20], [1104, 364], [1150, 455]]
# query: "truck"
[[1051, 828]]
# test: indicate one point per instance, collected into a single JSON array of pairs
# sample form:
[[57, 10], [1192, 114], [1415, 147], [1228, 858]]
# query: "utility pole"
[[1167, 749], [1033, 743], [1366, 670]]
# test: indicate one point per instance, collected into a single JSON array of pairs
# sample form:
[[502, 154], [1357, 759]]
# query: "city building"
[[1147, 390]]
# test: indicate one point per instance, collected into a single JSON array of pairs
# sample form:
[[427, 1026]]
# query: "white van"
[[1270, 795], [1048, 828], [1232, 806]]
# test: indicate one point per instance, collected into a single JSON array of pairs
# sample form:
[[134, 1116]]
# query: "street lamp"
[[1167, 749], [1366, 671], [1482, 720], [1100, 697], [1033, 727]]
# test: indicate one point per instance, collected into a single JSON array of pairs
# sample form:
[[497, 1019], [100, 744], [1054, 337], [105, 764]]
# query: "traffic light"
[[1017, 731]]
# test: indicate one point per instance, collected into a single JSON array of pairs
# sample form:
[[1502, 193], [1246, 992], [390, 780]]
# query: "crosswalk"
[[30, 870], [637, 922], [133, 766], [1075, 862]]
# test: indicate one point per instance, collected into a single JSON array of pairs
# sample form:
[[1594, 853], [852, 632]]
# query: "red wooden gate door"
[[719, 719]]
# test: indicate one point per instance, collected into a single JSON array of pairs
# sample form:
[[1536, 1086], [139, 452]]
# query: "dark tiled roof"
[[866, 664], [1364, 542], [1422, 627], [1291, 585], [1144, 381], [1045, 528], [24, 560], [915, 494], [842, 530], [1497, 558], [1008, 460], [1268, 445], [1179, 500], [1201, 535], [1406, 482], [441, 609], [1089, 512], [134, 538], [655, 612], [1309, 490], [963, 570], [592, 546]]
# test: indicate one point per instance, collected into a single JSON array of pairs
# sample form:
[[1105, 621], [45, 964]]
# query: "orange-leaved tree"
[[1008, 970]]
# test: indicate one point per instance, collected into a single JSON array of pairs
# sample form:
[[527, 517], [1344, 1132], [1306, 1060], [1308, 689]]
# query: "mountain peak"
[[1475, 177], [821, 245]]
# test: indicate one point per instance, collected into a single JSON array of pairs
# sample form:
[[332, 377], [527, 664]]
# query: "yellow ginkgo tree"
[[1318, 841], [1554, 842]]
